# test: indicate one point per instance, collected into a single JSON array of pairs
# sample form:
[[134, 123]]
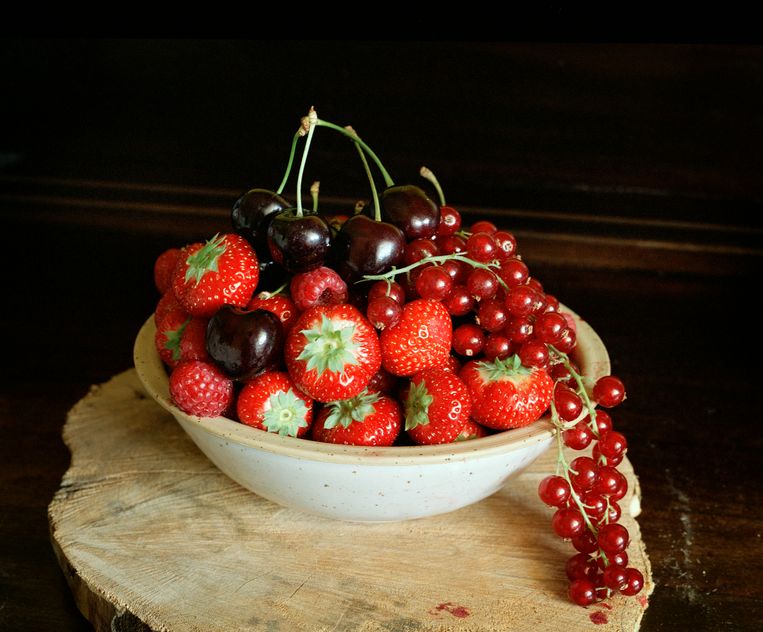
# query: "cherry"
[[299, 242], [609, 391], [251, 216], [409, 208], [243, 344], [365, 246]]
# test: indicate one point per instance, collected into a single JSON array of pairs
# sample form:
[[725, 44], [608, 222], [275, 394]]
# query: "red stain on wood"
[[448, 606], [643, 600], [599, 618]]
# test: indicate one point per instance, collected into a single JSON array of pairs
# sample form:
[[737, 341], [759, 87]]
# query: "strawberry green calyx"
[[174, 337], [502, 369], [417, 406], [205, 259], [349, 410], [285, 413], [330, 346]]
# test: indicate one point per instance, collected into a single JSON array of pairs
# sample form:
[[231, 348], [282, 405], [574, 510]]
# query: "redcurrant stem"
[[354, 137], [427, 174], [565, 360], [300, 132], [456, 256], [374, 195], [312, 119]]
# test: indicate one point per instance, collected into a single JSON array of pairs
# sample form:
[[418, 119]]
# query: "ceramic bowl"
[[358, 483]]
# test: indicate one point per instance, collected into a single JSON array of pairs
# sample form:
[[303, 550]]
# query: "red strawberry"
[[506, 394], [366, 419], [163, 268], [472, 430], [278, 304], [437, 407], [168, 303], [332, 352], [224, 271], [273, 403], [420, 340], [181, 337], [200, 388]]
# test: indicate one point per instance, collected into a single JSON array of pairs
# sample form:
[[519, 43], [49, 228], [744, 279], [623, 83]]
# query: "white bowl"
[[358, 483]]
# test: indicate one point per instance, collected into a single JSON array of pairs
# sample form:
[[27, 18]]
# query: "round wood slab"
[[151, 535]]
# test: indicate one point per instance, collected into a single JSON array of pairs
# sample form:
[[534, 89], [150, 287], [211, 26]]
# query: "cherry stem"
[[276, 291], [427, 174], [299, 133], [354, 137], [456, 256], [374, 195], [314, 191], [312, 118]]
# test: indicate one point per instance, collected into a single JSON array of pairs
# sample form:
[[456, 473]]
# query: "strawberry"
[[278, 304], [200, 388], [366, 419], [181, 337], [224, 271], [437, 407], [420, 340], [273, 403], [506, 394], [332, 352], [163, 267], [472, 430], [168, 303]]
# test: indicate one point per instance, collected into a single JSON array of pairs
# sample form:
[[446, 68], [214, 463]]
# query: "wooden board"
[[150, 535]]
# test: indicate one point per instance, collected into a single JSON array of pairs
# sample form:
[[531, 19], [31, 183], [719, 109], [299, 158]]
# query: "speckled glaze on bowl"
[[356, 483]]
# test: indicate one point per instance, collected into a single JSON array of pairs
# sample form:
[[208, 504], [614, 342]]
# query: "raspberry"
[[201, 389], [321, 286]]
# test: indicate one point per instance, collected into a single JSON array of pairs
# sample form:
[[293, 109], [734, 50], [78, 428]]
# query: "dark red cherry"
[[251, 215], [244, 344], [365, 246], [409, 208], [299, 244]]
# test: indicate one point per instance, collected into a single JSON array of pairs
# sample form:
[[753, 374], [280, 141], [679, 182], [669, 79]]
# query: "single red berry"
[[492, 315], [513, 272], [634, 582], [272, 402], [550, 327], [612, 514], [583, 473], [578, 437], [614, 577], [168, 303], [278, 304], [321, 286], [603, 422], [481, 247], [534, 353], [521, 301], [506, 242], [519, 330], [483, 226], [613, 538], [497, 346], [419, 249], [610, 482], [383, 312], [451, 244], [450, 221], [582, 566], [567, 522], [551, 303], [585, 542], [568, 403], [613, 445], [554, 491], [595, 505], [583, 592], [459, 302], [391, 289], [434, 283], [567, 342], [609, 391], [482, 283], [457, 270], [437, 407], [468, 340], [616, 559]]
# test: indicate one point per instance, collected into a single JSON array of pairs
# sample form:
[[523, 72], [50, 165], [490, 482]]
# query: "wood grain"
[[152, 536]]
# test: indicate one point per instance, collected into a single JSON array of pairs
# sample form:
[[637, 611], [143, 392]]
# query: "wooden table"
[[667, 279]]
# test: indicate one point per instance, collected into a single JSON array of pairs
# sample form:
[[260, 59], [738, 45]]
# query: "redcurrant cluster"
[[586, 490]]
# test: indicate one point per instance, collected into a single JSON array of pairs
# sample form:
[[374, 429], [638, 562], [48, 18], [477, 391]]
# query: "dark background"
[[630, 174]]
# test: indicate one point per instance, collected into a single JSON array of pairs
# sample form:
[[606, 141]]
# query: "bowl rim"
[[591, 355]]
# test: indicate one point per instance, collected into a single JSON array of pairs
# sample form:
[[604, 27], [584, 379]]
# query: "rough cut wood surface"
[[151, 535]]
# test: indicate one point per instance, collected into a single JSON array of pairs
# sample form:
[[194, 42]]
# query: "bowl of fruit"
[[379, 365]]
